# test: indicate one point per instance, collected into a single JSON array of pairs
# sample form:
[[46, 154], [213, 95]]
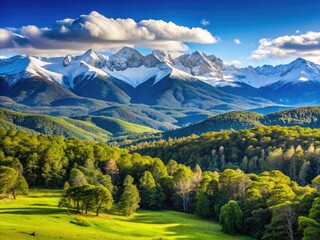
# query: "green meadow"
[[38, 212]]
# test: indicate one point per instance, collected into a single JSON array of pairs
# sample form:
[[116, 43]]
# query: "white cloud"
[[235, 62], [205, 22], [297, 31], [101, 33], [237, 41], [289, 47]]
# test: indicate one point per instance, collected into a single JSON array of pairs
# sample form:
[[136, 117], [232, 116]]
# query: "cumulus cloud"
[[205, 22], [101, 33], [237, 41], [289, 47]]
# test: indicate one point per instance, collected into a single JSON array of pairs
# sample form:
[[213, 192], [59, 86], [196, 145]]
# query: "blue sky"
[[247, 21]]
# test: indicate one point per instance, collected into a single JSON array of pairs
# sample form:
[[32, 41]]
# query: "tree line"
[[266, 205], [293, 150]]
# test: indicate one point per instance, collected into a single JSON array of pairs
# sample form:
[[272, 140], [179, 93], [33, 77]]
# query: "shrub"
[[81, 222]]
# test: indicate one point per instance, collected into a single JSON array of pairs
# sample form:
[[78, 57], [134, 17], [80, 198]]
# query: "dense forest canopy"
[[268, 205], [237, 120], [231, 121], [293, 150]]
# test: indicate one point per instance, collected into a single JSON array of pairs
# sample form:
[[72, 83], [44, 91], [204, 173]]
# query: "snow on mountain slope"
[[132, 67], [59, 70], [134, 76], [300, 70], [19, 67], [14, 64], [125, 58], [92, 58], [297, 71], [162, 56], [249, 76], [216, 82], [198, 64], [75, 68], [127, 65]]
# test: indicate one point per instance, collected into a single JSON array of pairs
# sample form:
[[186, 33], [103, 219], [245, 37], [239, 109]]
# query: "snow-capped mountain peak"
[[19, 67], [132, 67], [125, 58], [92, 58], [303, 63], [14, 64], [294, 72], [198, 64], [163, 56], [67, 60]]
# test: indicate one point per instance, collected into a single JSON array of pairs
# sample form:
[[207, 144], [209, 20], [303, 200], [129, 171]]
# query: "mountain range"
[[156, 90]]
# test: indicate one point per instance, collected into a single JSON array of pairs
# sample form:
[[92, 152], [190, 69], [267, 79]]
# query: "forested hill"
[[304, 117], [87, 128], [235, 120], [293, 150], [260, 205]]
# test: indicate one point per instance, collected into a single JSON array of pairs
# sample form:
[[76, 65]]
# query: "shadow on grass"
[[181, 226], [26, 233], [146, 219], [39, 204], [44, 196], [177, 229], [31, 211], [162, 217]]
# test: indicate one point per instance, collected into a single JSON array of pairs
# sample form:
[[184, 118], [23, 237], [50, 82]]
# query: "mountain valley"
[[172, 92]]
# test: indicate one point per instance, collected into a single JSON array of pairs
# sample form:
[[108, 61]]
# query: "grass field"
[[39, 212]]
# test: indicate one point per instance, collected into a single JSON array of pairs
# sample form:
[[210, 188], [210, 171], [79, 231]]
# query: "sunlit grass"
[[39, 212]]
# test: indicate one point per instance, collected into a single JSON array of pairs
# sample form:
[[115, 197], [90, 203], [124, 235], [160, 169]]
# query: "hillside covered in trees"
[[92, 128], [237, 120], [268, 205], [293, 150]]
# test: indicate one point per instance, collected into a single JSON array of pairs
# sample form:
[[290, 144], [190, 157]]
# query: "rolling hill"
[[86, 128], [237, 120]]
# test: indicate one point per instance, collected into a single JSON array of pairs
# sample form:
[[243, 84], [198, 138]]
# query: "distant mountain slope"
[[237, 120], [115, 126], [270, 109], [156, 117], [196, 84], [297, 93], [84, 83], [182, 90], [304, 117], [66, 107], [139, 114], [68, 127]]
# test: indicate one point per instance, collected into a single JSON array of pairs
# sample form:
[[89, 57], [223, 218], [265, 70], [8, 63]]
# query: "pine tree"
[[148, 191]]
